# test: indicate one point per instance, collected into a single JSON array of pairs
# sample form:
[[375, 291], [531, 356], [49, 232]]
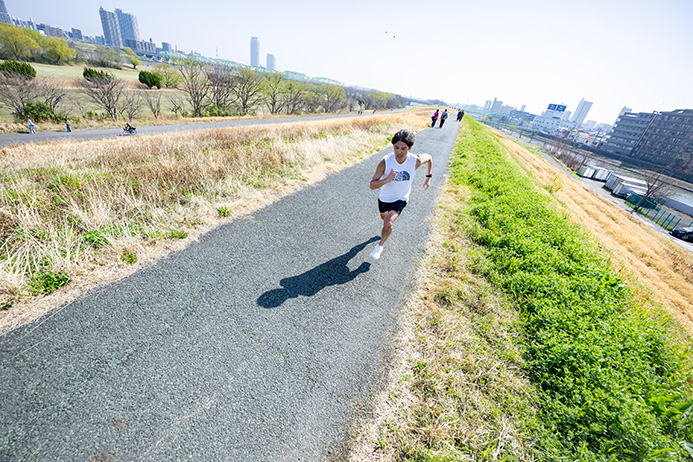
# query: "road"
[[262, 341], [8, 139]]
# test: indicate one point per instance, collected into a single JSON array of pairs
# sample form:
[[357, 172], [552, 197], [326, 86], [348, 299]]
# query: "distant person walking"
[[443, 118], [32, 127], [434, 118], [460, 114], [395, 175], [67, 125]]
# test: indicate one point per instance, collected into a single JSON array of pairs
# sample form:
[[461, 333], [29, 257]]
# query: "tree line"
[[202, 91]]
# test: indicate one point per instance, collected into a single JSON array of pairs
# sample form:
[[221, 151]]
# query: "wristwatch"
[[429, 175]]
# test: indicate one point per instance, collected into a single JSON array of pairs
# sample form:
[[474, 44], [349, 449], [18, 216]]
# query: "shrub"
[[16, 67], [150, 79], [36, 111], [93, 74]]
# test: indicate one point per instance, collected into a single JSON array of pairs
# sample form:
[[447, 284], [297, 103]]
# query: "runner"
[[396, 185]]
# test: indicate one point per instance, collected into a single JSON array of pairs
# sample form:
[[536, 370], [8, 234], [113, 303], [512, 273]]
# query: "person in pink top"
[[394, 175]]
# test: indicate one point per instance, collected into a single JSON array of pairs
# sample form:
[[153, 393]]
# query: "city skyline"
[[613, 54]]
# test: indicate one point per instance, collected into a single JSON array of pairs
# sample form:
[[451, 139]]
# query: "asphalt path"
[[9, 139], [261, 341]]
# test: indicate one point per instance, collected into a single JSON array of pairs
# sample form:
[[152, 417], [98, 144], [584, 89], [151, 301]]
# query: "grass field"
[[67, 73], [530, 339]]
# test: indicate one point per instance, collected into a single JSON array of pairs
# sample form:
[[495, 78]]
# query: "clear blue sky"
[[615, 53]]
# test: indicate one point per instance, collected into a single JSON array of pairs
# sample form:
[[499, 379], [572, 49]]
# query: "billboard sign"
[[557, 107]]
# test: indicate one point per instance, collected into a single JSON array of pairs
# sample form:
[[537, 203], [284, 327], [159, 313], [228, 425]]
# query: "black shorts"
[[397, 206]]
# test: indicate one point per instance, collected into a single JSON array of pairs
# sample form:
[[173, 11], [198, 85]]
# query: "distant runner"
[[396, 185]]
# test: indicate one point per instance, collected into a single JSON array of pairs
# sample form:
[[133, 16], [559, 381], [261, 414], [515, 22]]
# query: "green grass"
[[613, 382], [48, 71]]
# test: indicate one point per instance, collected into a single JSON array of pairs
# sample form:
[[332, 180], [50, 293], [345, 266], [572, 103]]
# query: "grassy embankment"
[[525, 343], [78, 212]]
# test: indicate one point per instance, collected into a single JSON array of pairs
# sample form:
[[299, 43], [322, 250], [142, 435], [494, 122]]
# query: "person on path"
[[434, 118], [443, 118], [395, 175], [32, 127], [460, 114], [67, 125]]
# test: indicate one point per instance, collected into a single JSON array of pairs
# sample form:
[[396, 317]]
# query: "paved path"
[[258, 343], [41, 137]]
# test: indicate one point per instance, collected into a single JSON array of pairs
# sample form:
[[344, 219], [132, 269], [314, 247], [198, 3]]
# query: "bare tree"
[[52, 95], [656, 186], [274, 90], [177, 105], [221, 86], [131, 106], [16, 91], [153, 101], [247, 86], [105, 90], [195, 85]]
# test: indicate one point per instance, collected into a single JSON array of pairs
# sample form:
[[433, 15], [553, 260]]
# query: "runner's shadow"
[[330, 273]]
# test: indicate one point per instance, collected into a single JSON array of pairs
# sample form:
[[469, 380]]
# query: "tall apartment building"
[[129, 30], [119, 27], [111, 28], [668, 139], [4, 15], [271, 63], [628, 131], [254, 51], [581, 111]]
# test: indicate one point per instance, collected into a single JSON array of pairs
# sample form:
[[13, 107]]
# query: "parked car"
[[685, 234]]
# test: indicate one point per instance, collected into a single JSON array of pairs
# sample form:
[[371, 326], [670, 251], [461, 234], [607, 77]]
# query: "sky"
[[614, 53]]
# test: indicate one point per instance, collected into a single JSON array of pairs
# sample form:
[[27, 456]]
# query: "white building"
[[551, 119], [581, 111]]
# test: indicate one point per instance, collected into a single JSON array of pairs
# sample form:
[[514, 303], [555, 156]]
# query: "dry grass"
[[84, 209], [658, 270]]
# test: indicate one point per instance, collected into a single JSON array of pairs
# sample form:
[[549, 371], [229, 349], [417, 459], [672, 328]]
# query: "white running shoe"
[[377, 251]]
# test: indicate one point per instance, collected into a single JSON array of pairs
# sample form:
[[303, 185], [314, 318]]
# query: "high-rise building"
[[129, 30], [77, 34], [271, 64], [628, 131], [111, 28], [496, 106], [254, 51], [668, 139], [4, 15], [581, 111], [119, 27], [165, 46]]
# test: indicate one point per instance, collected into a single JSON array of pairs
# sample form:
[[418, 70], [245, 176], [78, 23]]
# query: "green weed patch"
[[615, 383]]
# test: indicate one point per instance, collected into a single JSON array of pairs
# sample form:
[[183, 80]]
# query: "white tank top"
[[399, 188]]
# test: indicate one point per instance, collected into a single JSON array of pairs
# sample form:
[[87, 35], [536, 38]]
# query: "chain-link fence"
[[655, 212]]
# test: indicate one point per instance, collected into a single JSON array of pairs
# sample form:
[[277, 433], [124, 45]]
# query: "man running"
[[396, 185]]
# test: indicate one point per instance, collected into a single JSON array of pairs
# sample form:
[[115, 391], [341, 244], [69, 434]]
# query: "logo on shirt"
[[402, 176]]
